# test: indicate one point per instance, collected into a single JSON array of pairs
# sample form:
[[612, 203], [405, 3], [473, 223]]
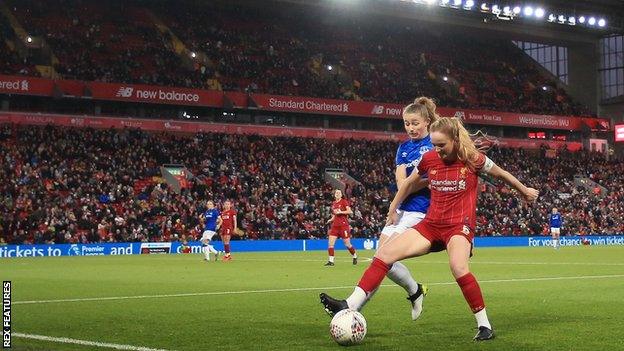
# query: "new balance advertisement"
[[213, 98], [155, 94]]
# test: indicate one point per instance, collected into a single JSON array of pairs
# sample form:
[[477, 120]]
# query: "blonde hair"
[[425, 107], [453, 127]]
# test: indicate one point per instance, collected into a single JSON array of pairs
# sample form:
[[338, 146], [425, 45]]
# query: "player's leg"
[[226, 245], [553, 237], [458, 249], [400, 275], [407, 244], [382, 239], [205, 239], [330, 249], [212, 250], [557, 235], [347, 242], [399, 272], [205, 250]]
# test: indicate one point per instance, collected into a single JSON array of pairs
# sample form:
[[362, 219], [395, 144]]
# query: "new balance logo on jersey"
[[377, 110], [125, 92]]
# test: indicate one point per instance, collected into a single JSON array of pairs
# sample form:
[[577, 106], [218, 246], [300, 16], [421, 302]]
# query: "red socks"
[[373, 276], [227, 248], [472, 292], [330, 251]]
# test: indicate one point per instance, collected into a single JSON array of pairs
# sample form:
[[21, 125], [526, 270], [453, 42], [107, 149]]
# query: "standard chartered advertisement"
[[113, 249]]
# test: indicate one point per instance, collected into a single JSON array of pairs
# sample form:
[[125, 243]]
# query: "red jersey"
[[340, 219], [228, 218], [453, 189]]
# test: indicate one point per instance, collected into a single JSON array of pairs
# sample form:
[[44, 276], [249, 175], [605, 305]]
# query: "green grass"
[[527, 314]]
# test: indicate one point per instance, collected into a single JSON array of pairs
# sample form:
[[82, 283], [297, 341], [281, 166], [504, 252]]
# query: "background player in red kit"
[[341, 209], [452, 168], [228, 227]]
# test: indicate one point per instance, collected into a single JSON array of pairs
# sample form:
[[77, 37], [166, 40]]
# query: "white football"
[[348, 327]]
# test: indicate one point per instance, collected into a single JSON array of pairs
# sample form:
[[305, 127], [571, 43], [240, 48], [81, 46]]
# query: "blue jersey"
[[410, 153], [210, 219], [555, 220]]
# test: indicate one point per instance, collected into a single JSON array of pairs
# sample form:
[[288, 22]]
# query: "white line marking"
[[416, 261], [297, 260], [84, 342], [543, 263], [115, 298]]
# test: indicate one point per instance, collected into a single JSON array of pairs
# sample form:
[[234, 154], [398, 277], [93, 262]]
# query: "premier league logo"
[[369, 244], [74, 250]]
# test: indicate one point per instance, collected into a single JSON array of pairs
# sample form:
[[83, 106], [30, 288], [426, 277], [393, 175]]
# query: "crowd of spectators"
[[587, 208], [256, 48], [104, 41], [68, 185]]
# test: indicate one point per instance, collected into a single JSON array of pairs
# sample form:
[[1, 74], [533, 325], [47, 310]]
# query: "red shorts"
[[342, 232], [440, 234], [227, 231]]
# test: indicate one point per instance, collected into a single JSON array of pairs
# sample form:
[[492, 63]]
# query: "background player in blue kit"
[[555, 227], [212, 221]]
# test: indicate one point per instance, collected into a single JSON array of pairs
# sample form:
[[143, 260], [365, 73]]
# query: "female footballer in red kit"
[[453, 168]]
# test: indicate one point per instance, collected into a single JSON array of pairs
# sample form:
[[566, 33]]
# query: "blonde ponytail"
[[454, 128]]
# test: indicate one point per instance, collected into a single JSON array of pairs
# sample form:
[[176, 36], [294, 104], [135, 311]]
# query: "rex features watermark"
[[6, 314]]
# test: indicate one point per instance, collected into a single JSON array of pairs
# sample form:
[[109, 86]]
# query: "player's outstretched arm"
[[529, 194]]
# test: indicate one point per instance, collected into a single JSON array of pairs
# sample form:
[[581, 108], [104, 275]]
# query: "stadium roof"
[[561, 20]]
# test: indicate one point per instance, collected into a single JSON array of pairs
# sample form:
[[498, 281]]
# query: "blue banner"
[[542, 241], [105, 249], [70, 250]]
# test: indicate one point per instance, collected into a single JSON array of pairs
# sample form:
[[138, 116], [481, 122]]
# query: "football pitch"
[[537, 299]]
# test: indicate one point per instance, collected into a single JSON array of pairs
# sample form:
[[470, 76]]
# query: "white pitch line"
[[84, 342], [115, 298], [298, 260], [545, 263], [416, 261]]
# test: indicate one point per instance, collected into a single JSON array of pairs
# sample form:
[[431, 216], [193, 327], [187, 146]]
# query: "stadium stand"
[[82, 185], [290, 56]]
